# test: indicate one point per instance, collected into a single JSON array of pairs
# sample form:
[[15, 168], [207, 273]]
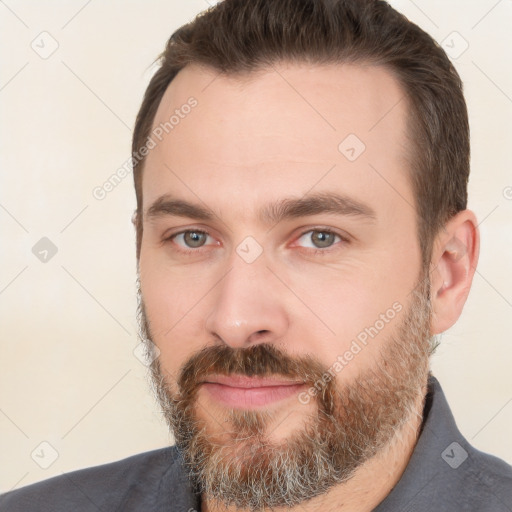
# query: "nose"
[[248, 305]]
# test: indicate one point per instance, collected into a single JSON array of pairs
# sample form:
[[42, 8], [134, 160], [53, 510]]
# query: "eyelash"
[[315, 251]]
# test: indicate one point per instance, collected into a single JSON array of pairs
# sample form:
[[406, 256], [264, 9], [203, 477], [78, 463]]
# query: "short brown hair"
[[240, 36]]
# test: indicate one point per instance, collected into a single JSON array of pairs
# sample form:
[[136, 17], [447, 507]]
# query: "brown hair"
[[241, 36]]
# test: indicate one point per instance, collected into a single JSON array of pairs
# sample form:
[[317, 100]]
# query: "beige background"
[[68, 374]]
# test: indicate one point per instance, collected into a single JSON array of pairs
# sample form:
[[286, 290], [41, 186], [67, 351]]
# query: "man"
[[302, 235]]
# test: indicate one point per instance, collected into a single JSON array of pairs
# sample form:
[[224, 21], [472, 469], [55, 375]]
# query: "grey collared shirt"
[[444, 474]]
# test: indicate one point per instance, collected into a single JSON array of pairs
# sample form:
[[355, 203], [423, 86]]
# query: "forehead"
[[281, 131]]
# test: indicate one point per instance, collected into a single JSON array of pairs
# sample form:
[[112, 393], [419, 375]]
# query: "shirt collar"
[[439, 450]]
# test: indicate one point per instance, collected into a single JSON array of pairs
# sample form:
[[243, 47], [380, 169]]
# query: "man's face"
[[300, 268]]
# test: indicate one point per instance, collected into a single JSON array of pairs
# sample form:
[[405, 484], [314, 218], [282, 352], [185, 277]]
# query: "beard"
[[234, 461]]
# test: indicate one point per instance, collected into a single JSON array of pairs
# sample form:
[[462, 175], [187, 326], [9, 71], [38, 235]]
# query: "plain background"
[[69, 377]]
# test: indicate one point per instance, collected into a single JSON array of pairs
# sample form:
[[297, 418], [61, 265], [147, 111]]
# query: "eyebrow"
[[271, 213]]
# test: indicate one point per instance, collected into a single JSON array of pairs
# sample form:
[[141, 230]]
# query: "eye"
[[320, 239], [190, 239]]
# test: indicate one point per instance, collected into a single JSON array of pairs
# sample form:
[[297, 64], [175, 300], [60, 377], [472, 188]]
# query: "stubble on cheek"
[[231, 453]]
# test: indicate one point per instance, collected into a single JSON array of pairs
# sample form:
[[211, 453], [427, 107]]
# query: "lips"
[[242, 381], [249, 392]]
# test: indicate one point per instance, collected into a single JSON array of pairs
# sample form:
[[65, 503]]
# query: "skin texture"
[[260, 139]]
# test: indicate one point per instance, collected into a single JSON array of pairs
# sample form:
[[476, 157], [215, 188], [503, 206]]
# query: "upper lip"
[[242, 381]]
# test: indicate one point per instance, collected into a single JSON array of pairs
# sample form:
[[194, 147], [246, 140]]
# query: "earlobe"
[[454, 260]]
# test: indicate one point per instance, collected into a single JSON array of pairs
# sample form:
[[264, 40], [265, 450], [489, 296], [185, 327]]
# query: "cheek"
[[343, 298], [350, 314], [173, 309]]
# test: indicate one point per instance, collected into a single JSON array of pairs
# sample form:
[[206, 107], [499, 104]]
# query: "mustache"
[[262, 360]]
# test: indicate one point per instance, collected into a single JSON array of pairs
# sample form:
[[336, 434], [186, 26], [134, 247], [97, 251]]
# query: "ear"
[[453, 264]]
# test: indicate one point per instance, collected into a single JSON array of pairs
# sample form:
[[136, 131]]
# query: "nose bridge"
[[247, 306]]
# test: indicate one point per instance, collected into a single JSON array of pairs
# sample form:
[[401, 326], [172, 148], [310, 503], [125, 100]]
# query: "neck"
[[371, 482]]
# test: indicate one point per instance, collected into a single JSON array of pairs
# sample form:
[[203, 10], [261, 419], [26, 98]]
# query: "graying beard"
[[307, 464]]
